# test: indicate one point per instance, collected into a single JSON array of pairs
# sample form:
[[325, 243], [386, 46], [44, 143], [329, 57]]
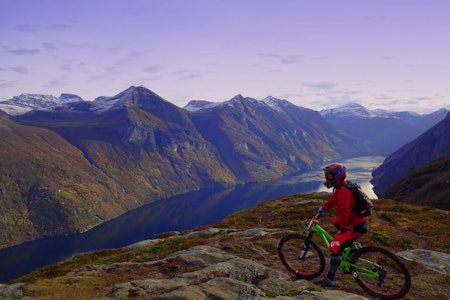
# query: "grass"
[[90, 276]]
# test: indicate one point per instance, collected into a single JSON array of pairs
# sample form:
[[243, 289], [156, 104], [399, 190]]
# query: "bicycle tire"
[[289, 250], [395, 279]]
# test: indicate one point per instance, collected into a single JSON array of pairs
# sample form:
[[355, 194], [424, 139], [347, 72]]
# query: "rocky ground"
[[237, 259], [208, 272]]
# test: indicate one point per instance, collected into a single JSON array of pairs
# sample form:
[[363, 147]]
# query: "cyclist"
[[350, 225]]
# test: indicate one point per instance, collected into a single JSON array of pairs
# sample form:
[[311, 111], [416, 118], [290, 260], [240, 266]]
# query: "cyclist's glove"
[[321, 211]]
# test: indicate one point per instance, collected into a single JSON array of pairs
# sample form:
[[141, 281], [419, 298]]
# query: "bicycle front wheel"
[[393, 280], [301, 256]]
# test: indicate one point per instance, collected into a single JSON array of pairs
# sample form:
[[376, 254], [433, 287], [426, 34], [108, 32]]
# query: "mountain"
[[381, 131], [80, 163], [27, 102], [70, 164], [428, 184], [431, 145], [266, 139], [48, 187], [144, 142], [70, 168]]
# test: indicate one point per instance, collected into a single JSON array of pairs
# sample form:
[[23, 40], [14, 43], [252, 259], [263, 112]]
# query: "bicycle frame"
[[373, 268]]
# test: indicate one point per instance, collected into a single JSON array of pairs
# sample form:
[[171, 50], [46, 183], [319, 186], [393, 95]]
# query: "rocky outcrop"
[[11, 291], [219, 275], [433, 260]]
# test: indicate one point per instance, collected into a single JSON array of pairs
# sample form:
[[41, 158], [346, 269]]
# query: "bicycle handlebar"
[[313, 221]]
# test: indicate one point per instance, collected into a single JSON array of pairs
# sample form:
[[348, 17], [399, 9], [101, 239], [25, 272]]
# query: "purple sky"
[[391, 54]]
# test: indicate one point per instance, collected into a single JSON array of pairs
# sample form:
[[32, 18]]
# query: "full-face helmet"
[[334, 174]]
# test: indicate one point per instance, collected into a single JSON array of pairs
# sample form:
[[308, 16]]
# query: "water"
[[177, 213], [359, 170]]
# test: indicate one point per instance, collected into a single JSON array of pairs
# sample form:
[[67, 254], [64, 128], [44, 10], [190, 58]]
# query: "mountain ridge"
[[137, 147], [143, 148], [36, 101], [383, 132]]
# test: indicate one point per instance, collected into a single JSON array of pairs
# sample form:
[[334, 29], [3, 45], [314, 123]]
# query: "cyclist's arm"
[[329, 204]]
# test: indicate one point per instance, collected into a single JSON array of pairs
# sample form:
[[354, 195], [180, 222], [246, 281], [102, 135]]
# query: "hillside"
[[431, 145], [428, 184], [238, 258], [48, 187]]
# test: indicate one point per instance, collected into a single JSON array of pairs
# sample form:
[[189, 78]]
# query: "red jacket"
[[342, 200]]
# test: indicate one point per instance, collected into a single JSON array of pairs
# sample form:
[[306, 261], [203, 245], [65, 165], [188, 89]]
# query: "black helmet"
[[333, 174]]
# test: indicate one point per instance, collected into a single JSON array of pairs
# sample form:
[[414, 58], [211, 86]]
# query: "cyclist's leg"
[[340, 241], [337, 245]]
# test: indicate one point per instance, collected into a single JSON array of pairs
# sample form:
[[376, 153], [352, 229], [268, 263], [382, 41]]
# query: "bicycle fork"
[[305, 247]]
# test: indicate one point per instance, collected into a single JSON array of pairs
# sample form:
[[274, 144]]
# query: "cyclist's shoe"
[[355, 246], [325, 282]]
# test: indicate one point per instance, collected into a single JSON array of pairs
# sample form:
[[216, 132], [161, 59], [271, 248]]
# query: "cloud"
[[318, 58], [284, 59], [191, 76], [24, 51], [321, 85], [424, 98], [65, 68], [388, 57], [19, 69], [59, 26], [23, 28], [59, 82], [7, 84], [49, 46], [185, 75], [151, 69]]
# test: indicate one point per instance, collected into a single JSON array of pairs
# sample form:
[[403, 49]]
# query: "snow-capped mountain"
[[385, 131], [26, 102], [355, 110], [274, 103], [196, 105]]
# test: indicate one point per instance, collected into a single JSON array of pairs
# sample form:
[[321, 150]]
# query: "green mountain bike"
[[380, 272]]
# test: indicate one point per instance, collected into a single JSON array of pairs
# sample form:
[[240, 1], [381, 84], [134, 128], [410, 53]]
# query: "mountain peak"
[[275, 103], [196, 105], [132, 95], [350, 109], [26, 102]]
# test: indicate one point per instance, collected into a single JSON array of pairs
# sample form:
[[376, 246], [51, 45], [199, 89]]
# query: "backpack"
[[363, 205]]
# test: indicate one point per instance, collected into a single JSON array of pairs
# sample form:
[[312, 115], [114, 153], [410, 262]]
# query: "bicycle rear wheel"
[[301, 256], [394, 280]]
